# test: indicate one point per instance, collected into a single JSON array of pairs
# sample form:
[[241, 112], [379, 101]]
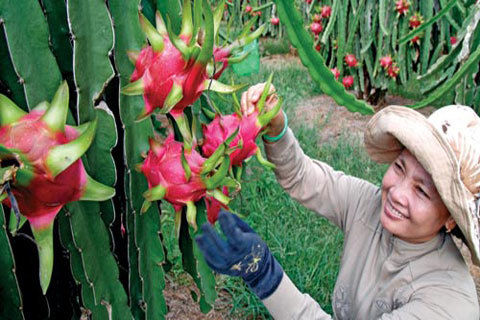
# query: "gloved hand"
[[244, 254]]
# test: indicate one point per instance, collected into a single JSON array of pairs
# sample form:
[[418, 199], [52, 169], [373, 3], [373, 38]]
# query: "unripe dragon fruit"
[[351, 60], [45, 171], [317, 17], [173, 71]]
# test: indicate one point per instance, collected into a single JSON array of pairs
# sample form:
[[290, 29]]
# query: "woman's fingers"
[[252, 95]]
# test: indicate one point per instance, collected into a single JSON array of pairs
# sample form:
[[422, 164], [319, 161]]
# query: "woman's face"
[[412, 209]]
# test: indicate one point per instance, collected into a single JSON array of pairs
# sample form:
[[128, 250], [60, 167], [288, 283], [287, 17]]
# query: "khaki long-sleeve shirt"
[[381, 276]]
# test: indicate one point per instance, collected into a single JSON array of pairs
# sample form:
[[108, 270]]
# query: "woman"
[[399, 260]]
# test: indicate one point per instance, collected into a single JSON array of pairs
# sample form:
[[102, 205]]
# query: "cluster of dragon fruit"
[[171, 73], [40, 156]]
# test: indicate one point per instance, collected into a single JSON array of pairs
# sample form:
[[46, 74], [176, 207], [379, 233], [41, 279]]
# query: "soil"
[[332, 120]]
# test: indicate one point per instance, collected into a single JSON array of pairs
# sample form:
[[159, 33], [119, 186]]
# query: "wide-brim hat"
[[447, 145]]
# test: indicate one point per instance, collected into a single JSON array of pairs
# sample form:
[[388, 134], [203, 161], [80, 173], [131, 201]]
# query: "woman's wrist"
[[278, 130]]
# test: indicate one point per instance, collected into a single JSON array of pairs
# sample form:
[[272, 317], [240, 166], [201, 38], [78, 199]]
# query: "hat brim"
[[394, 128]]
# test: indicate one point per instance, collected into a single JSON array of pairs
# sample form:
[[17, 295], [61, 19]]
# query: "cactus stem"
[[178, 222]]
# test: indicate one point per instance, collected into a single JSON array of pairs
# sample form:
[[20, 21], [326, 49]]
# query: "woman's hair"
[[458, 233]]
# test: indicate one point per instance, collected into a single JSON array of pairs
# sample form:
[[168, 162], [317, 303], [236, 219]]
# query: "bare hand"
[[249, 101]]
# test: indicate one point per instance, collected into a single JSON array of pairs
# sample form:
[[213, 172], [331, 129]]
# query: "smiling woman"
[[399, 260]]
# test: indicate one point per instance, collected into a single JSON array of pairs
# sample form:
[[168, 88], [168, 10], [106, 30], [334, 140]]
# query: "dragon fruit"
[[182, 176], [386, 61], [347, 81], [172, 72], [46, 171], [416, 20], [214, 206], [249, 126], [336, 73], [316, 27], [326, 12], [275, 21], [351, 60], [393, 71], [401, 6], [453, 40]]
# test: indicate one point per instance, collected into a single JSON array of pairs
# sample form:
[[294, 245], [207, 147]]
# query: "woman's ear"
[[450, 224]]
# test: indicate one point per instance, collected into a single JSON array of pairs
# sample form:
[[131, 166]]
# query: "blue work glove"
[[243, 254]]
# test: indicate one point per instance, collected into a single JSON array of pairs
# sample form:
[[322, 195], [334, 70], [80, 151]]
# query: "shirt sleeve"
[[440, 303], [288, 303], [338, 197]]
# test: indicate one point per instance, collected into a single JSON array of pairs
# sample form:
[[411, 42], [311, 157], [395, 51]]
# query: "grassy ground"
[[306, 245]]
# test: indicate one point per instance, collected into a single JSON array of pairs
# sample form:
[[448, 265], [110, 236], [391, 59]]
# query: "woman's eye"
[[398, 166], [422, 192]]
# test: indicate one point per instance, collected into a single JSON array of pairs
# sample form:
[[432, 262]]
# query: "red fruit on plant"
[[317, 17], [41, 160], [402, 6], [393, 71], [217, 131], [316, 27], [453, 40], [326, 12], [386, 61], [415, 40], [336, 73], [415, 21], [347, 81], [248, 9], [351, 60], [214, 206], [275, 21], [258, 13], [318, 47], [165, 172], [171, 73], [308, 1]]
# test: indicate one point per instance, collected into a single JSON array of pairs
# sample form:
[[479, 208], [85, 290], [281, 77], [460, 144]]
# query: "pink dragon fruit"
[[316, 27], [214, 206], [351, 60], [393, 71], [416, 20], [336, 73], [401, 6], [243, 146], [46, 171], [275, 21], [386, 61], [171, 73], [326, 12], [347, 81], [181, 176]]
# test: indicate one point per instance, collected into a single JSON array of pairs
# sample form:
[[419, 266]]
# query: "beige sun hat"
[[447, 144]]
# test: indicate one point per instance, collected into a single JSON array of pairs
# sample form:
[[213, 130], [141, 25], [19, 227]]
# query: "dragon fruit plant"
[[45, 171], [172, 72]]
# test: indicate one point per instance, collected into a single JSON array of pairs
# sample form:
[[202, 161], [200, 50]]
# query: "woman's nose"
[[399, 193]]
